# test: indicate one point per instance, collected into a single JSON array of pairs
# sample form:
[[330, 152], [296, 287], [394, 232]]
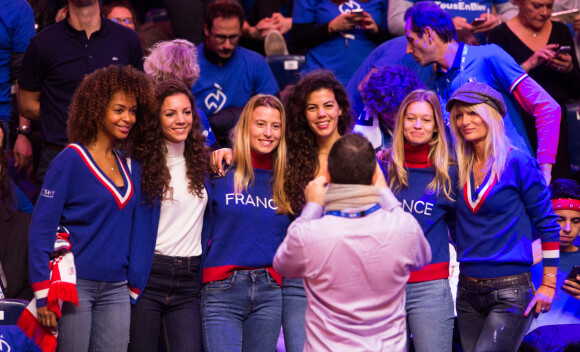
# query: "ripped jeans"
[[490, 313]]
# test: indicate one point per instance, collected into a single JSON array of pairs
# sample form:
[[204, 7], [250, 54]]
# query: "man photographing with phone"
[[561, 325]]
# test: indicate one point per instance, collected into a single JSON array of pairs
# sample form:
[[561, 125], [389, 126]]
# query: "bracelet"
[[552, 287], [24, 130], [550, 275]]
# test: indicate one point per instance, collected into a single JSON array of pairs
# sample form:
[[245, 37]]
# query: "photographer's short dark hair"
[[352, 161], [564, 188]]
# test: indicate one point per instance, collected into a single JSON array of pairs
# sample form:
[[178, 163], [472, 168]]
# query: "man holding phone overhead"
[[561, 325]]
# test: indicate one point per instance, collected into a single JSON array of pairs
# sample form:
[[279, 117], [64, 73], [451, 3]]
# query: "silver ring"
[[543, 310]]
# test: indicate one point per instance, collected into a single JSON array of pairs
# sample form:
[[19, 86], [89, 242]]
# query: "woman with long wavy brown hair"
[[318, 115], [172, 218]]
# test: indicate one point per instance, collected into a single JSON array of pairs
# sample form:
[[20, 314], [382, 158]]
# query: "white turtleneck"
[[181, 220]]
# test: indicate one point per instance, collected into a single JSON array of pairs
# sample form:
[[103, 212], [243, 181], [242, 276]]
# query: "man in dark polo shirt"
[[55, 63]]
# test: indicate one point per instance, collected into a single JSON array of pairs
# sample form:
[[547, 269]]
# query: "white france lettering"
[[272, 205], [406, 206], [239, 197], [428, 208], [264, 202], [254, 201], [250, 200], [418, 207], [415, 207]]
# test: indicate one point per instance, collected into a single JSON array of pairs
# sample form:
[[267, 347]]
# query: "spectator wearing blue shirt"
[[462, 12], [55, 63], [177, 59], [561, 325], [230, 75], [338, 34], [16, 30], [432, 41]]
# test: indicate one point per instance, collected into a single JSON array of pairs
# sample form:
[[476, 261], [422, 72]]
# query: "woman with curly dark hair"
[[164, 272], [318, 115], [88, 190]]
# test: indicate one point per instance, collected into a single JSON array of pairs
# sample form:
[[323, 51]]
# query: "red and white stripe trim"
[[517, 81], [550, 250], [478, 202], [120, 199]]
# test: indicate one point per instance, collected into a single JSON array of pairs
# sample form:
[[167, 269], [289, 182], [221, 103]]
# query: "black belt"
[[499, 283]]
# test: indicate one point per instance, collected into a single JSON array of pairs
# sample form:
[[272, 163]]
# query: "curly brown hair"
[[150, 149], [91, 98], [302, 144]]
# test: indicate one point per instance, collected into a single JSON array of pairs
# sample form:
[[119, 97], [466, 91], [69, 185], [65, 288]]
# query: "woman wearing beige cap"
[[504, 199]]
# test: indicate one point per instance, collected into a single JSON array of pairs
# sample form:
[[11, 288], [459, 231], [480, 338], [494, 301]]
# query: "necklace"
[[322, 152], [534, 35]]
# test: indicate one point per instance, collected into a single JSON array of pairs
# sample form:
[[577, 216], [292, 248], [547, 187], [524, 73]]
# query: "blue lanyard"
[[359, 214], [446, 94]]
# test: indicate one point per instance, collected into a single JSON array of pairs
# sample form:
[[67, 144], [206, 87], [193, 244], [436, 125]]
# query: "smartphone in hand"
[[476, 22], [565, 49], [573, 273]]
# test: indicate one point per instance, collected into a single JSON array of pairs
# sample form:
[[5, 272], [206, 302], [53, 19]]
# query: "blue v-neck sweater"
[[79, 196], [495, 222]]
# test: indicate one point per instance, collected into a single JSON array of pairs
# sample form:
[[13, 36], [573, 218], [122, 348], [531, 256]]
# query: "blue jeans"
[[293, 311], [169, 305], [430, 315], [242, 312], [101, 320], [491, 312]]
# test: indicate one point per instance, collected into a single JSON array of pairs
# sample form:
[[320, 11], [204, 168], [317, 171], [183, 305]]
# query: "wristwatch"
[[24, 130]]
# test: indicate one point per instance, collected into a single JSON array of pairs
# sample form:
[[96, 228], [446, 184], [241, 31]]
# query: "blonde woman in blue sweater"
[[241, 295], [504, 199], [423, 177]]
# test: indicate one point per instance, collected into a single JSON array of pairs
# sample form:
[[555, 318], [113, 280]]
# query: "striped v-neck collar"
[[475, 197], [121, 199]]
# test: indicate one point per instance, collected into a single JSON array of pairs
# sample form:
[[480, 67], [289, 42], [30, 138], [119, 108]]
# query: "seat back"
[[286, 68], [10, 310]]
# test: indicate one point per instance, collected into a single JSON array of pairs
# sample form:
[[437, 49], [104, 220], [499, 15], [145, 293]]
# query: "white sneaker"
[[274, 44]]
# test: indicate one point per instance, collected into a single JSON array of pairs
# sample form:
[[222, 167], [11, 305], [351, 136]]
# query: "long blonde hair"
[[497, 144], [240, 136], [438, 152]]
